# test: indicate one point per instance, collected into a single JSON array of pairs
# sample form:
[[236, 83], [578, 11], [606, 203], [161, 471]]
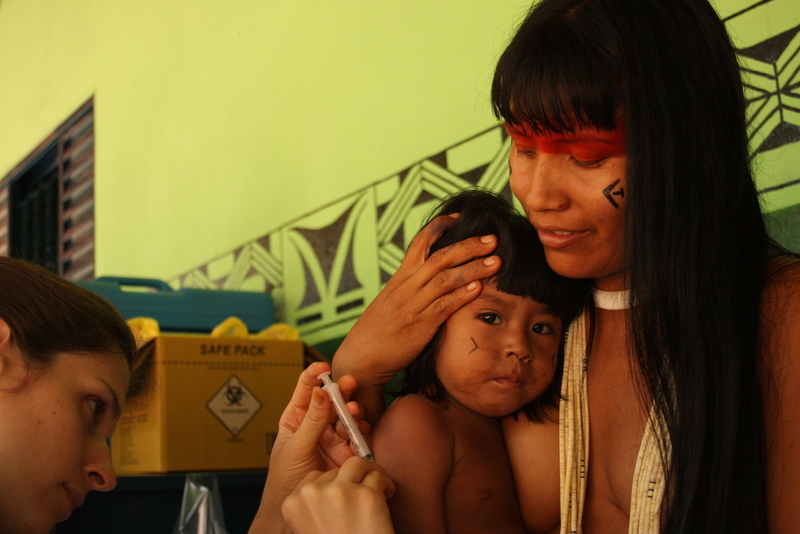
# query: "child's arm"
[[414, 445]]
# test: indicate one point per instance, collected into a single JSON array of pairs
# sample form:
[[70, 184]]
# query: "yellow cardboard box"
[[211, 404]]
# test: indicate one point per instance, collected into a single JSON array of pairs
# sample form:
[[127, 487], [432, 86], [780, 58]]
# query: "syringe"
[[356, 438]]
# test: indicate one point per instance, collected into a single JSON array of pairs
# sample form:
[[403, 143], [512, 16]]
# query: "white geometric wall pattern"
[[324, 269], [767, 36], [772, 81]]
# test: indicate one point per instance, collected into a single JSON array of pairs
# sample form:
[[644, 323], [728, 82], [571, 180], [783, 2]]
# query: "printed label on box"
[[234, 405]]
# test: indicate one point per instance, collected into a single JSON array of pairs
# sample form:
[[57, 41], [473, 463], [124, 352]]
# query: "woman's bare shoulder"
[[781, 355], [527, 439], [782, 269], [780, 311]]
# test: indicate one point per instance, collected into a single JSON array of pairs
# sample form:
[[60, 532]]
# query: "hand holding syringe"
[[356, 438]]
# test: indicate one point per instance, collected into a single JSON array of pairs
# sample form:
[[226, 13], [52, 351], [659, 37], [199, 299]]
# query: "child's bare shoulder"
[[412, 419], [416, 404], [411, 412]]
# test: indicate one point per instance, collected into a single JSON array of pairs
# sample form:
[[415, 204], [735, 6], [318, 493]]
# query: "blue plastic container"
[[185, 310]]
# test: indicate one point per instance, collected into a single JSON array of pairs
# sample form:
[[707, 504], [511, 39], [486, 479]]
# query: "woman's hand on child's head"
[[407, 313], [349, 499]]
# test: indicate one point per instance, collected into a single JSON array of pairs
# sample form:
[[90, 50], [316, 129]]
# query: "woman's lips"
[[74, 496], [559, 238]]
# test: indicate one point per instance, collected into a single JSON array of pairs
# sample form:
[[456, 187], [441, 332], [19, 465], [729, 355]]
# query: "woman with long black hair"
[[681, 390]]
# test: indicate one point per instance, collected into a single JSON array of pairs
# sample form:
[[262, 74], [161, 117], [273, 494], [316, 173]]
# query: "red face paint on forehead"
[[589, 144]]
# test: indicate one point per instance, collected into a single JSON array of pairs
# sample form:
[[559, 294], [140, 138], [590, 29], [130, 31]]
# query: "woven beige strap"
[[647, 490]]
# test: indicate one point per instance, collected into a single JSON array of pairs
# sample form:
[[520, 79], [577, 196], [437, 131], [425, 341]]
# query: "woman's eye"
[[523, 153], [96, 406], [542, 328], [587, 164], [490, 318]]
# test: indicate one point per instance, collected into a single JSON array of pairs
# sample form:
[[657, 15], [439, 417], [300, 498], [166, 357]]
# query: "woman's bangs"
[[551, 80]]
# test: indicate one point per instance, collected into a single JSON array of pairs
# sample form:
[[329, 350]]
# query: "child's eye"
[[490, 318], [542, 328]]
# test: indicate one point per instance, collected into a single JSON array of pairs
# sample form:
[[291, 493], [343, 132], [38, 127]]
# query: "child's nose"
[[518, 348]]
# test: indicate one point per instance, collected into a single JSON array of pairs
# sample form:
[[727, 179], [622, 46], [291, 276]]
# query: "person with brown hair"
[[66, 357], [68, 363]]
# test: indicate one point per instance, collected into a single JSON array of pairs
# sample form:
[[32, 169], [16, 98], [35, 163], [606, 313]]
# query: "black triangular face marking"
[[610, 193]]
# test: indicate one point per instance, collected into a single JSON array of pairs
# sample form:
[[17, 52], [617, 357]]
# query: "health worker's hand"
[[409, 310], [350, 499], [306, 442]]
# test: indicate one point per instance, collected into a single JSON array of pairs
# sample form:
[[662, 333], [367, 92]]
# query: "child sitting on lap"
[[498, 355]]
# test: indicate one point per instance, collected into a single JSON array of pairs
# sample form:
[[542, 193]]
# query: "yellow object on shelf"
[[279, 331], [143, 329], [235, 327], [230, 327]]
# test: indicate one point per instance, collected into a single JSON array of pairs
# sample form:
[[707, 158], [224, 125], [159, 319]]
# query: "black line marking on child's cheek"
[[476, 345], [609, 193]]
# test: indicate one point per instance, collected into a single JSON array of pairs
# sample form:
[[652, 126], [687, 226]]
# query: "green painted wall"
[[294, 146], [216, 122]]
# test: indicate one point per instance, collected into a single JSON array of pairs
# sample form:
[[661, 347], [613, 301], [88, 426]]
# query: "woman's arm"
[[533, 452], [781, 338], [306, 442], [415, 446], [406, 314]]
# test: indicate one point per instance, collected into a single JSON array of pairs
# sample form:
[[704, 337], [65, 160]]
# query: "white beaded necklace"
[[611, 300]]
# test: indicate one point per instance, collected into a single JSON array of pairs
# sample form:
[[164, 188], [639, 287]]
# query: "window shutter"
[[76, 179], [47, 201]]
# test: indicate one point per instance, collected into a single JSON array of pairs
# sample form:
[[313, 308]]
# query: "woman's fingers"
[[380, 483], [367, 474], [421, 244], [320, 477], [450, 289], [315, 422], [349, 499], [301, 397], [347, 386], [417, 259], [428, 291], [354, 471]]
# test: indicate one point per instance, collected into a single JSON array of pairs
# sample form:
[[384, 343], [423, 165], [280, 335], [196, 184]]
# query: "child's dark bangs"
[[527, 276], [552, 79]]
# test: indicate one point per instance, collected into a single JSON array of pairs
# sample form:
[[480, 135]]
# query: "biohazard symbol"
[[234, 395]]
